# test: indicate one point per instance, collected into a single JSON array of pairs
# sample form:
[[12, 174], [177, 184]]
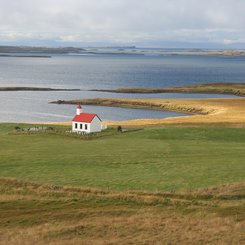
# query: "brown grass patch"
[[209, 88], [32, 213]]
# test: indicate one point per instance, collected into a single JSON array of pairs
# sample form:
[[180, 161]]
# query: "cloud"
[[122, 21]]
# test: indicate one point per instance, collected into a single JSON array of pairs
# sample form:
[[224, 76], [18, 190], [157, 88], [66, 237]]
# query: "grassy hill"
[[166, 185], [164, 158]]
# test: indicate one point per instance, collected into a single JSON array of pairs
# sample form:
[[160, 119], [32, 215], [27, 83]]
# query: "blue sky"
[[145, 23]]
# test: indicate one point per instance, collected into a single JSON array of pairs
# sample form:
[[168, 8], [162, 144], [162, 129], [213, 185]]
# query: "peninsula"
[[228, 111], [34, 89], [209, 88]]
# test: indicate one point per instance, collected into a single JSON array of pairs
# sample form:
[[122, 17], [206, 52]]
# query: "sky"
[[143, 23]]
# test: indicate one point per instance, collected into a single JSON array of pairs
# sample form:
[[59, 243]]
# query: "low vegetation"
[[161, 185], [33, 213], [66, 131], [209, 88], [165, 158]]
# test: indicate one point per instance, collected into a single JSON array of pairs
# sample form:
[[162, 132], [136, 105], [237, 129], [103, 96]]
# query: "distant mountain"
[[27, 49]]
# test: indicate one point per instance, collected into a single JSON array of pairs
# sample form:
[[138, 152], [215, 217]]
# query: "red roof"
[[84, 117], [79, 106]]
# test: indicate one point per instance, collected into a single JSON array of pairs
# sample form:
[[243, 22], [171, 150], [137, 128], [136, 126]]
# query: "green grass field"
[[159, 185], [164, 159]]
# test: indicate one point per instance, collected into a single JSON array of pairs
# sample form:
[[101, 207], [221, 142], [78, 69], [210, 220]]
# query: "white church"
[[86, 122]]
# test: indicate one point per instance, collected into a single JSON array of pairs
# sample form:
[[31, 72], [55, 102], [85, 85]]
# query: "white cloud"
[[122, 21], [234, 41]]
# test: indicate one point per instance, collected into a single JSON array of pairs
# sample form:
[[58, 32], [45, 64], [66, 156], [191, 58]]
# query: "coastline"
[[5, 89], [18, 51], [228, 111], [237, 89]]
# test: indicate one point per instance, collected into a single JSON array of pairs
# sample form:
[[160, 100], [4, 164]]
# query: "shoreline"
[[118, 50], [237, 89], [201, 111], [204, 111], [5, 89]]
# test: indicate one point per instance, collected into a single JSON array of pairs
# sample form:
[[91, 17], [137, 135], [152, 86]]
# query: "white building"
[[86, 122]]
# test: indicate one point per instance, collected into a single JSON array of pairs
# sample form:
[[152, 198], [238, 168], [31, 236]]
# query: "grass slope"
[[150, 186], [32, 213], [165, 158]]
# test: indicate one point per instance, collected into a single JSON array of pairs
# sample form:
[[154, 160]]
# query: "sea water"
[[105, 72]]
